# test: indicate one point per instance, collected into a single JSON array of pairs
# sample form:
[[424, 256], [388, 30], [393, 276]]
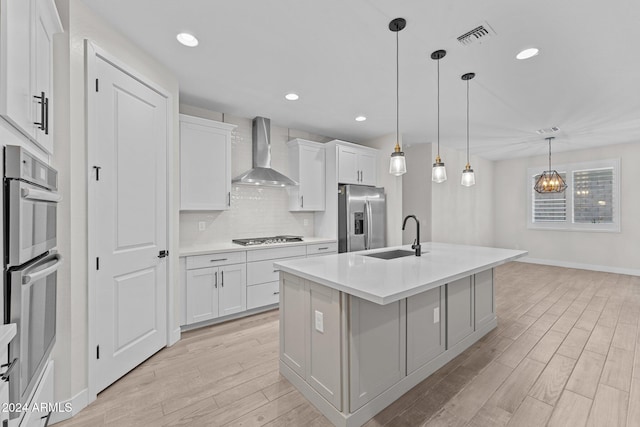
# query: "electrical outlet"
[[202, 226], [305, 222], [436, 315], [319, 321]]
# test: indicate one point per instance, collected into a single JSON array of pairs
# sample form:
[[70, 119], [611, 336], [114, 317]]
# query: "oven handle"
[[45, 196], [39, 274]]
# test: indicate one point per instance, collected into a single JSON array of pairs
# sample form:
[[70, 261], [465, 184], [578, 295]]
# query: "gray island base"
[[353, 348]]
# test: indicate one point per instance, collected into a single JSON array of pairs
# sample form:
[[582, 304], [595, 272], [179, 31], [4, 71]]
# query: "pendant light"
[[468, 177], [397, 164], [550, 180], [438, 173]]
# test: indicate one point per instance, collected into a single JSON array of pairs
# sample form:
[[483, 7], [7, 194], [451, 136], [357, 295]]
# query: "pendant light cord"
[[438, 61], [397, 89], [467, 122], [549, 139]]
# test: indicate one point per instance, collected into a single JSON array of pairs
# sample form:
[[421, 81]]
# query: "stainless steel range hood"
[[261, 172]]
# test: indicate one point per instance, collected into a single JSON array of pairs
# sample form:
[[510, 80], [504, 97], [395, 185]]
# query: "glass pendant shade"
[[398, 164], [550, 182], [438, 173], [468, 177]]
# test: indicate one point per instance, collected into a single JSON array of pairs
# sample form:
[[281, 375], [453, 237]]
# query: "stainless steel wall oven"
[[31, 263]]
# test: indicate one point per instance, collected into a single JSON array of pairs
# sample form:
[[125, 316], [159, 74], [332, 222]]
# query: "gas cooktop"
[[267, 240]]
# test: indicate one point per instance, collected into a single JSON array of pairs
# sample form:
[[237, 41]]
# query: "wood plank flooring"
[[565, 353]]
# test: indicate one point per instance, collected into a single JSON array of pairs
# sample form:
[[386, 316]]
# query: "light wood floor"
[[564, 353]]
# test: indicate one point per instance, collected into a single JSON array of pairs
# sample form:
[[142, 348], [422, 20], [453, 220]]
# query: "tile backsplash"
[[255, 211]]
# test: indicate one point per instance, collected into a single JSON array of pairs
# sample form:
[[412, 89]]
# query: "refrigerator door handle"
[[368, 230]]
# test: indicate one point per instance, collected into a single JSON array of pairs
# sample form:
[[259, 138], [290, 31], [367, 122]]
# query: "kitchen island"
[[357, 332]]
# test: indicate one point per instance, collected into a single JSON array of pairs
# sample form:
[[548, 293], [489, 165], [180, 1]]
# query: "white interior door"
[[129, 225]]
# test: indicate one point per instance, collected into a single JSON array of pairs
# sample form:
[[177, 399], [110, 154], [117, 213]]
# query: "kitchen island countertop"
[[386, 281]]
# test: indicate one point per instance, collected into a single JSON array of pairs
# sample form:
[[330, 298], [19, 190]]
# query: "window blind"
[[593, 196], [549, 207]]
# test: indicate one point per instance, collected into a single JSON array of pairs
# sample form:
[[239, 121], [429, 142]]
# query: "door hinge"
[[97, 263], [97, 352], [97, 85], [97, 168]]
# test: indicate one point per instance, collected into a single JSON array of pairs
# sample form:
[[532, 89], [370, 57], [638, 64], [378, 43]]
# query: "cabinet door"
[[44, 29], [377, 354], [312, 178], [348, 165], [232, 292], [294, 306], [367, 166], [425, 327], [460, 316], [484, 300], [16, 98], [205, 174], [202, 294]]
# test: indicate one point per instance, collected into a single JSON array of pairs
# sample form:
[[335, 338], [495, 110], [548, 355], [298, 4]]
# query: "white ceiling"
[[339, 56]]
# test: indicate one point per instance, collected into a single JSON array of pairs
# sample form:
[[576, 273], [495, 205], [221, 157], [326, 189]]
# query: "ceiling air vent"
[[477, 35], [547, 131]]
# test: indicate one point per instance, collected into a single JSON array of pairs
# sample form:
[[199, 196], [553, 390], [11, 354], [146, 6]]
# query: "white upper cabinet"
[[357, 165], [26, 78], [205, 164], [307, 167]]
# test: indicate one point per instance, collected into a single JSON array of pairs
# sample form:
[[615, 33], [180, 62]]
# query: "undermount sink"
[[396, 253]]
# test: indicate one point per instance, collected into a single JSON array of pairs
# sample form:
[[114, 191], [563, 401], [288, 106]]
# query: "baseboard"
[[78, 403], [251, 312], [175, 336], [580, 266]]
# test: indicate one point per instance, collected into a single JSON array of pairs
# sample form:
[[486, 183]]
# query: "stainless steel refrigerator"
[[361, 218]]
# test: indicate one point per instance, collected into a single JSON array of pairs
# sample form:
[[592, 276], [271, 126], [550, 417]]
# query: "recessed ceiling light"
[[187, 39], [292, 96], [527, 53], [361, 119]]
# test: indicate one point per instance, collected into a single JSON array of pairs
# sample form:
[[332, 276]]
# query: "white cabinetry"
[[307, 167], [357, 165], [26, 52], [205, 164], [215, 291]]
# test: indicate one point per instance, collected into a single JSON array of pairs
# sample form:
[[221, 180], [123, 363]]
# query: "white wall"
[[461, 214], [392, 187], [70, 353], [255, 211], [416, 191], [595, 250]]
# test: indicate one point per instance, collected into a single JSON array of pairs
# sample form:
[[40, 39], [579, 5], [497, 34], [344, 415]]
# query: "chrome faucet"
[[416, 243]]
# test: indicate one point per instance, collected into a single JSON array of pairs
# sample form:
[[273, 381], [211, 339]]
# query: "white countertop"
[[7, 332], [385, 281], [211, 248]]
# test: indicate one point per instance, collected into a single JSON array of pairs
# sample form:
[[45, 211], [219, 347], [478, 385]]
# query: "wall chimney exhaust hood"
[[261, 172]]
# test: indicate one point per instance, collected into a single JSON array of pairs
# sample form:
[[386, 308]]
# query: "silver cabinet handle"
[[219, 259], [323, 249], [302, 201], [276, 293], [222, 281], [229, 198], [216, 276]]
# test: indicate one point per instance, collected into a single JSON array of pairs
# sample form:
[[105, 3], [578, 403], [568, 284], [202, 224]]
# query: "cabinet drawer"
[[264, 294], [275, 253], [263, 271], [322, 248], [216, 259]]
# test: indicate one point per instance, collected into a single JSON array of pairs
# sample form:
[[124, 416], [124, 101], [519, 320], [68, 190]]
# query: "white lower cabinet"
[[263, 294], [215, 291], [41, 405]]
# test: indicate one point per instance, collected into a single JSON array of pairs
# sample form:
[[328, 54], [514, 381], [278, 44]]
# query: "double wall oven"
[[31, 262]]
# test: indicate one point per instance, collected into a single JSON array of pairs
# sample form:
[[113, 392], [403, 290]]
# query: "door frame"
[[92, 54]]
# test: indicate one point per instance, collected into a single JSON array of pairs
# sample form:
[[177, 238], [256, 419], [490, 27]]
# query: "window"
[[590, 202]]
